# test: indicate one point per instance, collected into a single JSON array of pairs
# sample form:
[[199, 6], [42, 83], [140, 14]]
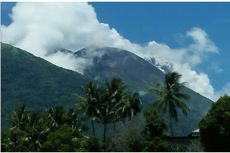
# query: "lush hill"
[[140, 75], [30, 80]]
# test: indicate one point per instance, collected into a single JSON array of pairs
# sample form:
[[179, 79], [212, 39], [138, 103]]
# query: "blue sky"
[[167, 23]]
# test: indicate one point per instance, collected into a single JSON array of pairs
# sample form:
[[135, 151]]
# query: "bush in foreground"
[[215, 127]]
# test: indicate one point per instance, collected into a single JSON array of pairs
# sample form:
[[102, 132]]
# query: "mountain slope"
[[30, 80], [140, 75], [112, 62]]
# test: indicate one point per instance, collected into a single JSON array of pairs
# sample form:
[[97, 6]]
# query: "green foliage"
[[134, 138], [64, 139], [58, 129], [215, 126], [15, 140], [154, 124], [93, 145], [25, 133], [60, 140], [157, 145]]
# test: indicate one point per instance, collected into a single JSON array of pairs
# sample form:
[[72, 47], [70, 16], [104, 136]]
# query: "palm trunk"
[[114, 126], [93, 128], [104, 135], [171, 127]]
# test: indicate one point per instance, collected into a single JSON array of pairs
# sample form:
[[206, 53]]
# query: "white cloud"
[[43, 27], [199, 82], [68, 61], [201, 41]]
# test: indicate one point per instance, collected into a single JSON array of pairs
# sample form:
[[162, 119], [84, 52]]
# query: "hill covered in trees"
[[30, 80]]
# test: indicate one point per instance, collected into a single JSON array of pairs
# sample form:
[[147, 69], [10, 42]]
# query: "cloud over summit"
[[41, 28]]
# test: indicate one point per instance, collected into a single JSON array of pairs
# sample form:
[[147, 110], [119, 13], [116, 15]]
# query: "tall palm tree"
[[171, 97], [105, 114], [115, 90], [110, 96], [91, 101]]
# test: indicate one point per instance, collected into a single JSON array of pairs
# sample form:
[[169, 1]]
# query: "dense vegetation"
[[58, 129], [215, 127], [61, 129]]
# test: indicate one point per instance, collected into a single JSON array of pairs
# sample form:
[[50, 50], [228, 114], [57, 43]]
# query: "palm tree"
[[130, 106], [19, 119], [35, 131], [91, 101], [55, 116], [74, 121], [171, 97], [72, 118], [26, 127], [115, 90], [110, 97]]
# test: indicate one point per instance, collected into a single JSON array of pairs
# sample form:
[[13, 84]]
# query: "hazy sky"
[[195, 36]]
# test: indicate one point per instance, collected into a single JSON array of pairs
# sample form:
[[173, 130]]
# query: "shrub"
[[154, 124], [93, 145], [60, 140], [129, 138], [157, 145]]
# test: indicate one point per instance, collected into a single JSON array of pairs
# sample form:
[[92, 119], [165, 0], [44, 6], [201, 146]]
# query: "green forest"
[[110, 117]]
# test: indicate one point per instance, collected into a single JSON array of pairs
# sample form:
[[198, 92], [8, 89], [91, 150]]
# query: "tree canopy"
[[215, 126]]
